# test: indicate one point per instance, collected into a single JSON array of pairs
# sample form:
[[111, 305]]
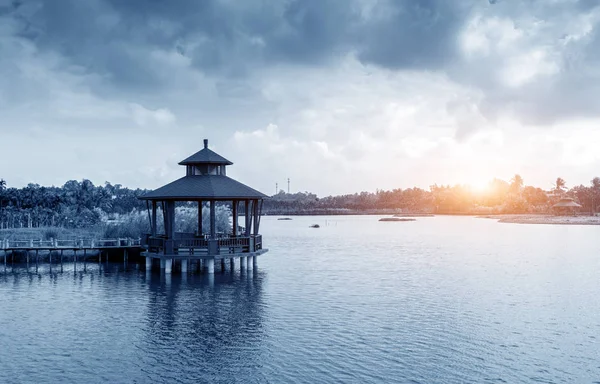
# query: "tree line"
[[80, 204], [76, 204], [500, 196]]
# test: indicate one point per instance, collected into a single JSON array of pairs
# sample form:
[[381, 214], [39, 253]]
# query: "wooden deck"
[[191, 247], [70, 245]]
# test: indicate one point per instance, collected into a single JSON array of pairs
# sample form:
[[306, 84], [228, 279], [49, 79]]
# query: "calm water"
[[439, 300]]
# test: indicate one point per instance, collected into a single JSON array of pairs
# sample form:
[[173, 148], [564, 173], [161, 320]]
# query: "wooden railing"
[[257, 242], [196, 245], [191, 243], [70, 243]]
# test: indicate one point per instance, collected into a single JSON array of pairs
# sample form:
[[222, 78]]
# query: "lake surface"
[[438, 300]]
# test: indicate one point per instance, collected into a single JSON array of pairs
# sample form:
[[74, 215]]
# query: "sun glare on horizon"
[[479, 186]]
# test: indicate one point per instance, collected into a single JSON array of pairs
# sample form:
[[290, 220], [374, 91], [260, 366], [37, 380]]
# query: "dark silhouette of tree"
[[559, 185], [516, 184]]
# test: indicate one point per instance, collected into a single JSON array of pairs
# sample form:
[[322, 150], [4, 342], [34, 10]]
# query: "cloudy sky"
[[338, 95]]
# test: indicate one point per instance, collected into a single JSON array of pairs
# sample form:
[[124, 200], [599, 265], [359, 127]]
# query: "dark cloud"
[[117, 41], [412, 34], [115, 38]]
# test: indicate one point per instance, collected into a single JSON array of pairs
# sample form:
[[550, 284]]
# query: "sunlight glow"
[[480, 186]]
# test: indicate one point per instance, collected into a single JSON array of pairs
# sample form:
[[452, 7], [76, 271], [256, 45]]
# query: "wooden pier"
[[59, 247]]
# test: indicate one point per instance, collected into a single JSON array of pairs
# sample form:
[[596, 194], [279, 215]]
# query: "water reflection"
[[202, 323]]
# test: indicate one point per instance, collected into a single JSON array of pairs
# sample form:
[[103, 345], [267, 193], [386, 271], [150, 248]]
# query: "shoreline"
[[543, 219]]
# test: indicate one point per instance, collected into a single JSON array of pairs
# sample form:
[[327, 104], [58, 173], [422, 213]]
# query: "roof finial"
[[205, 143]]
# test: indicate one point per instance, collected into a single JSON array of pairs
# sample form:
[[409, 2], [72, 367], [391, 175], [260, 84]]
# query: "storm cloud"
[[343, 78]]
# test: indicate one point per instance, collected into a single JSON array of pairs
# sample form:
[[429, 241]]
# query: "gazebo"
[[566, 205], [205, 181]]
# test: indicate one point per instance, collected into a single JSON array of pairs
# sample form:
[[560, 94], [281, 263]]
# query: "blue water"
[[438, 300]]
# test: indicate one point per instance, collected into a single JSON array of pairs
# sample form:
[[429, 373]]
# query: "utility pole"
[[288, 185]]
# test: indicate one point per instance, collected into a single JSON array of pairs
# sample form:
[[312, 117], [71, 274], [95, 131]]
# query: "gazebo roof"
[[205, 156], [205, 187], [566, 202]]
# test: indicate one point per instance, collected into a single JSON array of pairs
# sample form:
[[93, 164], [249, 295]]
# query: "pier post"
[[163, 263], [242, 263], [148, 263], [184, 266], [210, 266], [222, 265], [250, 262], [255, 261], [168, 265], [232, 264]]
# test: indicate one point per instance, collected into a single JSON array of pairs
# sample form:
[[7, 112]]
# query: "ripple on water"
[[355, 301]]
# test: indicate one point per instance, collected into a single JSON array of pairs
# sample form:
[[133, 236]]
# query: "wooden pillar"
[[255, 217], [248, 223], [153, 224], [165, 217], [213, 224], [200, 218], [235, 217], [170, 219]]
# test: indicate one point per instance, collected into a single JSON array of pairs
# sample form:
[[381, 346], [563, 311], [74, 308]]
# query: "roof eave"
[[185, 162], [196, 198]]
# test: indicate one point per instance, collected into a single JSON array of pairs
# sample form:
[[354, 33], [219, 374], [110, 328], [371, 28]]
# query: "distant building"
[[566, 206]]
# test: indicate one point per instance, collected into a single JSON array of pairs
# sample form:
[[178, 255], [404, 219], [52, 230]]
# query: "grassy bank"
[[47, 233]]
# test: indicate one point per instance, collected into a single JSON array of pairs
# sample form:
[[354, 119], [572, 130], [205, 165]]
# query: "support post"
[[247, 217], [232, 264], [235, 204], [210, 266], [255, 217], [222, 265], [213, 224], [250, 262], [200, 218], [168, 265], [255, 261], [243, 263], [163, 263], [153, 218], [184, 266], [148, 263]]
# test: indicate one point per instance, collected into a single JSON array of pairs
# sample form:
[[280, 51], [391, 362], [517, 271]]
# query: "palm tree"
[[516, 184], [595, 193], [2, 188], [559, 185]]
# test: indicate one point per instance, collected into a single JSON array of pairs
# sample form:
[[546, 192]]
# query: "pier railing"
[[197, 245], [70, 243]]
